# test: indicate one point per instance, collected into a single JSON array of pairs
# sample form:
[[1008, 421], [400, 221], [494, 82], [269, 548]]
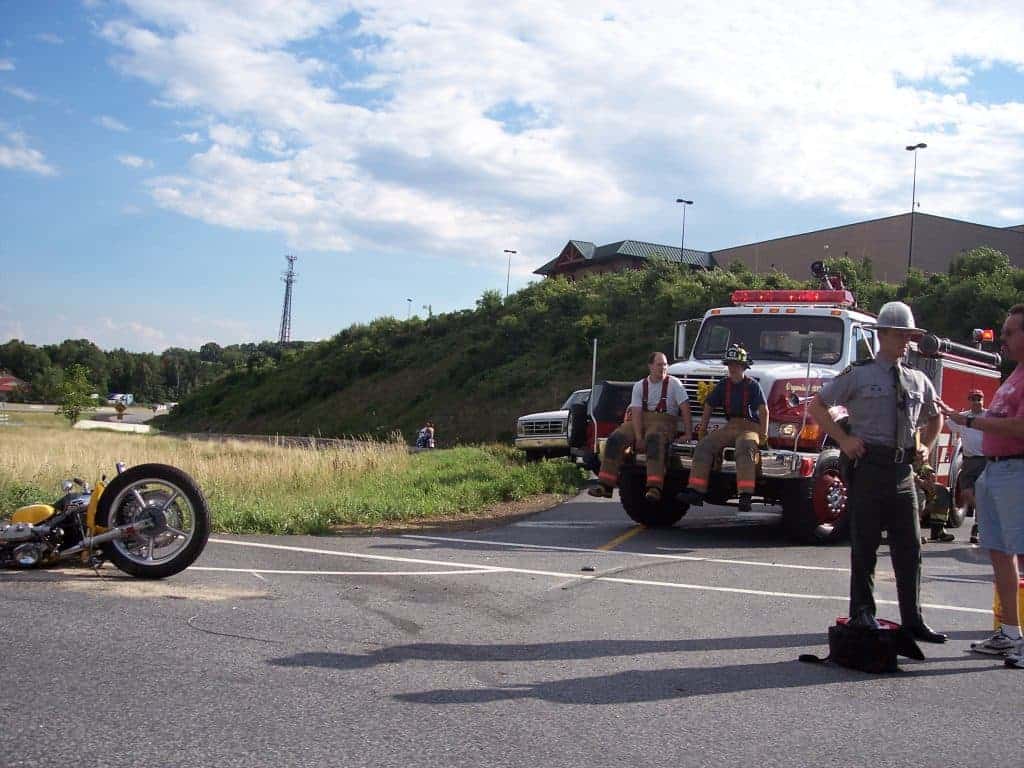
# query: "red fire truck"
[[798, 340]]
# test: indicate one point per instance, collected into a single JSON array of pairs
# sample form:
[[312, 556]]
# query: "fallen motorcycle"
[[151, 521]]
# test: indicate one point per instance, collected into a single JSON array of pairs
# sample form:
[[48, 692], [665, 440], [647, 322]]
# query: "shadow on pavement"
[[657, 685], [571, 650]]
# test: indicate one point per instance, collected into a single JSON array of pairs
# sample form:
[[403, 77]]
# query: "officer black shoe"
[[601, 491], [941, 534], [744, 505], [925, 634], [974, 534], [691, 497]]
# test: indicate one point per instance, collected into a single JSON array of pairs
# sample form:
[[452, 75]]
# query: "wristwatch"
[[968, 421]]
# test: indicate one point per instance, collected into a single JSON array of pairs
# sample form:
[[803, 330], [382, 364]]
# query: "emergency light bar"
[[831, 298], [982, 335]]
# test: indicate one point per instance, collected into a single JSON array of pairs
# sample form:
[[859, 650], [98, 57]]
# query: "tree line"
[[50, 369], [473, 371]]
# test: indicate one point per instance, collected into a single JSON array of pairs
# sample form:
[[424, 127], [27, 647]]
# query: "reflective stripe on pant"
[[741, 433], [661, 428]]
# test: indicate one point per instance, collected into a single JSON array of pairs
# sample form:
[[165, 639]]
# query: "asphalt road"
[[496, 648]]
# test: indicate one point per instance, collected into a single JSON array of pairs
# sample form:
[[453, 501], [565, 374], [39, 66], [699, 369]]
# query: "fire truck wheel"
[[814, 510], [662, 514]]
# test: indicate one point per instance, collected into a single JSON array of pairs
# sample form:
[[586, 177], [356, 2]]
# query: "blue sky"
[[158, 158]]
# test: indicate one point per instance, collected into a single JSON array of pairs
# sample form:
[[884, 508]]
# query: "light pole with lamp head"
[[508, 274], [913, 202], [682, 241], [408, 315]]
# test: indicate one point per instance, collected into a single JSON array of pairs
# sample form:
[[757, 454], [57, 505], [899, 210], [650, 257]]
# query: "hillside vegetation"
[[473, 372]]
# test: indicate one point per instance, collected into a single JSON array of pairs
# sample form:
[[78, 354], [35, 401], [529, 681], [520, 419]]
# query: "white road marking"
[[487, 569], [282, 572], [684, 558]]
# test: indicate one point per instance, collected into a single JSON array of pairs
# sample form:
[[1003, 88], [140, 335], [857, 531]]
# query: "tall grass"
[[263, 488]]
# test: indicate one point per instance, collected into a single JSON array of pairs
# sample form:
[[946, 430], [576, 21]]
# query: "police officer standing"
[[886, 402]]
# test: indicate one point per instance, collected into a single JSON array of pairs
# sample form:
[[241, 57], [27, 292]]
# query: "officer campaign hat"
[[737, 354], [897, 316]]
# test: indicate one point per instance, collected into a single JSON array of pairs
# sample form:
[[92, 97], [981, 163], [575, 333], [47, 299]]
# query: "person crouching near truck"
[[657, 403], [743, 401]]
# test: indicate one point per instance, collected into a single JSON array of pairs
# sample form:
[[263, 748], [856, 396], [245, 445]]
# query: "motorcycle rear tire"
[[188, 488]]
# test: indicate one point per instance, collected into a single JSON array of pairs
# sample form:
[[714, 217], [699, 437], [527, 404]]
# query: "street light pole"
[[508, 274], [408, 315], [913, 202], [682, 241]]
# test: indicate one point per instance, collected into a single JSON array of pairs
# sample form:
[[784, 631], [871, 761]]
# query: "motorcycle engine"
[[26, 545]]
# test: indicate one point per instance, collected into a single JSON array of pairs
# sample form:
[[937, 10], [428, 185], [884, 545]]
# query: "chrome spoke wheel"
[[164, 514]]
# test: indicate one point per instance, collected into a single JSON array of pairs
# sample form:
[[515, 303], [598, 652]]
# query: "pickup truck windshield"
[[579, 396], [772, 337]]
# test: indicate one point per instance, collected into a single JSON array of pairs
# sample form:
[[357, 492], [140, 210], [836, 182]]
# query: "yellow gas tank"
[[33, 514]]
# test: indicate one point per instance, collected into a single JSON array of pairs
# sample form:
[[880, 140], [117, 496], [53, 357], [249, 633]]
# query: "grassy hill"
[[473, 372]]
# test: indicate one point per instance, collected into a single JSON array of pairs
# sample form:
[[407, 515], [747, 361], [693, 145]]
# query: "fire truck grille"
[[543, 428], [693, 387]]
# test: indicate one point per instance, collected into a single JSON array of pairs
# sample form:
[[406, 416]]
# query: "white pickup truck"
[[546, 434]]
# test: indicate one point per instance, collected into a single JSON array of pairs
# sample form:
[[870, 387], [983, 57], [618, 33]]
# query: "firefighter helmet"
[[737, 354], [926, 469], [897, 316]]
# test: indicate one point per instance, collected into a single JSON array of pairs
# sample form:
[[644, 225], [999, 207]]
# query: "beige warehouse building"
[[886, 242]]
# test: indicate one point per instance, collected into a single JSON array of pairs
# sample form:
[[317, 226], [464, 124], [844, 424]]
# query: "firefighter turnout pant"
[[661, 428], [740, 433]]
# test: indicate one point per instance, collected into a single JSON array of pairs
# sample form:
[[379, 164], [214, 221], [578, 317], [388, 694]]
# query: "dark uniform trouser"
[[660, 429], [738, 432], [877, 495]]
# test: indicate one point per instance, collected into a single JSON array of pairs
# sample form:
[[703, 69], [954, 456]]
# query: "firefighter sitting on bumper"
[[653, 420], [744, 404]]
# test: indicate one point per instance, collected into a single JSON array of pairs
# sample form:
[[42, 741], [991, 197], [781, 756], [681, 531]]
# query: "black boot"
[[941, 534], [974, 534], [744, 505], [690, 496]]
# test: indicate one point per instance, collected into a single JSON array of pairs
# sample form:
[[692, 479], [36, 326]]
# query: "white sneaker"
[[1015, 660], [999, 644]]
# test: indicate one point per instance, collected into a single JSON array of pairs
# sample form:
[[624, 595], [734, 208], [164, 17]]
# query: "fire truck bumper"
[[775, 463]]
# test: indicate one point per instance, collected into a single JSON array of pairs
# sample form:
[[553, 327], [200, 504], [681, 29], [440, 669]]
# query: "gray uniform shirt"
[[868, 391]]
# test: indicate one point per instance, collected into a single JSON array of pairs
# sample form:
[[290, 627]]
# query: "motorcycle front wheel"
[[176, 512]]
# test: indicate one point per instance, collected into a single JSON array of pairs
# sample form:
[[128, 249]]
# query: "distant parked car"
[[546, 434]]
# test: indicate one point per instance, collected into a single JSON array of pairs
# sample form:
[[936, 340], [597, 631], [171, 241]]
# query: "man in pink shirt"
[[998, 490]]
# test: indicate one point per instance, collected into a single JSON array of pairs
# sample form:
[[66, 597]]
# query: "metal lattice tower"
[[286, 312]]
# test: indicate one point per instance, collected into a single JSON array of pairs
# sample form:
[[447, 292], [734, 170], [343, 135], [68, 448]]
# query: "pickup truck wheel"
[[532, 456], [662, 514], [957, 509], [814, 510]]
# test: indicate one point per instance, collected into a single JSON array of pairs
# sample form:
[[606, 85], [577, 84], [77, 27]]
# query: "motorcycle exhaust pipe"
[[103, 538]]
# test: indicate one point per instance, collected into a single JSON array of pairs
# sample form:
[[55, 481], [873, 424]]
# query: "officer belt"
[[886, 454], [1005, 458]]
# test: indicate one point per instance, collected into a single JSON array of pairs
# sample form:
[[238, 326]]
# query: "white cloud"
[[6, 65], [229, 136], [110, 123], [190, 138], [134, 161], [50, 38], [19, 93], [16, 154], [471, 123]]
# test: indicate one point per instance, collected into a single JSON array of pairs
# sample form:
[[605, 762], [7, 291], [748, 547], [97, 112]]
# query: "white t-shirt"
[[675, 395], [970, 437]]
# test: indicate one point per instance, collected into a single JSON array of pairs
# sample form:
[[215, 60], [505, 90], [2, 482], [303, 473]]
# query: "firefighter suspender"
[[662, 407], [728, 399]]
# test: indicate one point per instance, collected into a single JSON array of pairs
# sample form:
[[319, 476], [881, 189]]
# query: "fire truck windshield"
[[772, 337]]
